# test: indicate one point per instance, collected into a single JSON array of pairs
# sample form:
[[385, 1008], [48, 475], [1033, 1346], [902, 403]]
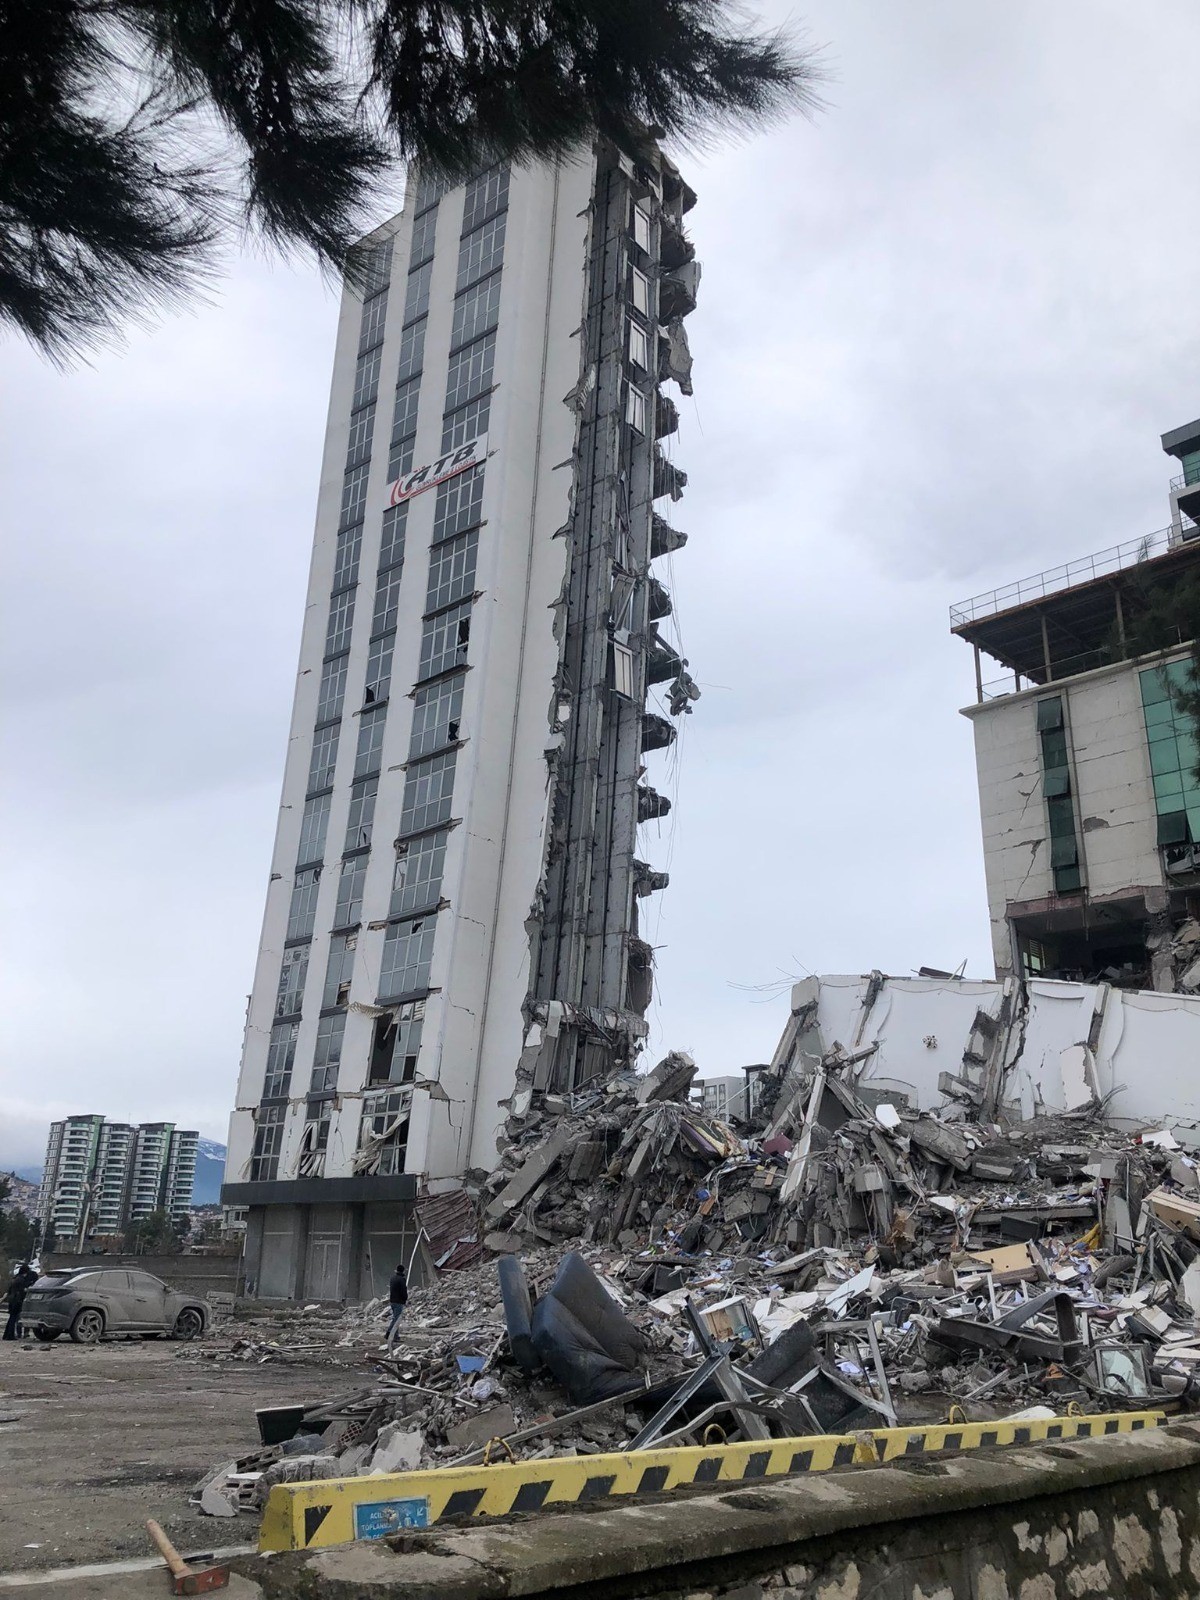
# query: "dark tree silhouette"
[[134, 134]]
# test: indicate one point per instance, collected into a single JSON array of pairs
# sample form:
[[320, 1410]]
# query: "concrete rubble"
[[839, 1261]]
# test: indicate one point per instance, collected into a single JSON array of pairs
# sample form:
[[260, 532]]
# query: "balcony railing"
[[1069, 576], [1186, 478]]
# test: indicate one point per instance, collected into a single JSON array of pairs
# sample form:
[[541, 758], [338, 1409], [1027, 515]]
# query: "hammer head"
[[199, 1580]]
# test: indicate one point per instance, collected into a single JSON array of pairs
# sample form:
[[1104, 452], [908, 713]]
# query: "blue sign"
[[380, 1518]]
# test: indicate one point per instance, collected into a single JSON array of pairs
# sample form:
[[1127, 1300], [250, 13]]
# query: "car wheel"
[[47, 1335], [189, 1324], [87, 1327]]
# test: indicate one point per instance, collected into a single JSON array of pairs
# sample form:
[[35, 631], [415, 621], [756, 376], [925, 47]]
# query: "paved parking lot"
[[93, 1440]]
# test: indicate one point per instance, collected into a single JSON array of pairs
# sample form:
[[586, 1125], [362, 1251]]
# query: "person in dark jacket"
[[397, 1299], [15, 1298]]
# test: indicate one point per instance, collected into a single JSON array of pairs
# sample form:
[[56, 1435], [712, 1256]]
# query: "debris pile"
[[651, 1276]]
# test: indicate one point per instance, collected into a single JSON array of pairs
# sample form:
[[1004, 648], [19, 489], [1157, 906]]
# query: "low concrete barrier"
[[1115, 1517]]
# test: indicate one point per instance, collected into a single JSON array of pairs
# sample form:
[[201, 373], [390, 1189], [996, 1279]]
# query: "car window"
[[147, 1284], [112, 1280]]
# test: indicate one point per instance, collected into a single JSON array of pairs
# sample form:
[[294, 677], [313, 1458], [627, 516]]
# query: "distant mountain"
[[22, 1195], [210, 1171]]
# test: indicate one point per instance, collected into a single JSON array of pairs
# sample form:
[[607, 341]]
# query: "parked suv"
[[90, 1302]]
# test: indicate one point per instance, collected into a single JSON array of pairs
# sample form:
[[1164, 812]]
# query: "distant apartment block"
[[1086, 760], [100, 1176], [726, 1097]]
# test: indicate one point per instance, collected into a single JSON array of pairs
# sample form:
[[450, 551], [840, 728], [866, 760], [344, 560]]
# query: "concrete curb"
[[615, 1550]]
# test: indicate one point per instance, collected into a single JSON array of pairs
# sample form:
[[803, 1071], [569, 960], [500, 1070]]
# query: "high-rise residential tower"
[[99, 1176], [452, 913]]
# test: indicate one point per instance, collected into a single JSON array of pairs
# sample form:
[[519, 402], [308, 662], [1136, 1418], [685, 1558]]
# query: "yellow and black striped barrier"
[[303, 1516]]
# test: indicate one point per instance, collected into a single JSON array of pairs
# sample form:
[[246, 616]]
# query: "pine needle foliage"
[[136, 134]]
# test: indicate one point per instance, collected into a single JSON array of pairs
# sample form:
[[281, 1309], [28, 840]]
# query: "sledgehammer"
[[185, 1579]]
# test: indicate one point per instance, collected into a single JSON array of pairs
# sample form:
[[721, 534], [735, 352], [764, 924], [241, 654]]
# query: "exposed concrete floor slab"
[[103, 1437]]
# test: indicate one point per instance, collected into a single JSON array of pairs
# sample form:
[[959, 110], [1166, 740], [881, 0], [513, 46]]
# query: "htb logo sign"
[[447, 466]]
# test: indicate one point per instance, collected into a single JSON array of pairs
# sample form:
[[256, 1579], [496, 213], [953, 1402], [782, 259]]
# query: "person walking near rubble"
[[15, 1298], [397, 1300]]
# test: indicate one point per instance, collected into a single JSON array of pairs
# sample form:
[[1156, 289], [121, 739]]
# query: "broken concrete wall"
[[1062, 1046]]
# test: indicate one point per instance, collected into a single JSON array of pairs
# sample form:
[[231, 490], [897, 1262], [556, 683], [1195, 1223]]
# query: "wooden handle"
[[178, 1566]]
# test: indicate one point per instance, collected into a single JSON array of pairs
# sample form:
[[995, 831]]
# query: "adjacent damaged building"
[[1087, 762], [486, 668]]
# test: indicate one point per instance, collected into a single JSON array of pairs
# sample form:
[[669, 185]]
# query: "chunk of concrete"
[[527, 1177], [476, 1431], [397, 1449]]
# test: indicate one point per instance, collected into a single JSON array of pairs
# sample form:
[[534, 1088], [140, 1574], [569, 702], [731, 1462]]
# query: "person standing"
[[15, 1298], [397, 1300]]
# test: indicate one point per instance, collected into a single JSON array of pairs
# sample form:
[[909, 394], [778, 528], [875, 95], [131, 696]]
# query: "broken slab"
[[527, 1177], [476, 1431]]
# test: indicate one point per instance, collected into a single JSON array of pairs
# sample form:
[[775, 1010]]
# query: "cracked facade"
[[453, 905], [1088, 796]]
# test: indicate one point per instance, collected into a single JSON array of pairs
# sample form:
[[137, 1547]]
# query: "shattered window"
[[452, 570], [417, 882], [445, 640], [383, 1132], [407, 957], [268, 1141], [302, 913], [324, 757], [436, 714], [371, 728], [339, 969], [428, 793], [475, 311], [640, 291], [350, 892], [379, 669], [328, 1053], [281, 1054], [635, 409], [362, 814], [313, 826], [292, 974], [395, 521], [641, 229], [639, 346], [314, 1141], [459, 503]]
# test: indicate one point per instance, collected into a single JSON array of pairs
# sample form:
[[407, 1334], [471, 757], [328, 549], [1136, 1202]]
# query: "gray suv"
[[90, 1302]]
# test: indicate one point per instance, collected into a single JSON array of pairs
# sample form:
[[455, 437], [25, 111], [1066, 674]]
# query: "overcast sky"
[[940, 331]]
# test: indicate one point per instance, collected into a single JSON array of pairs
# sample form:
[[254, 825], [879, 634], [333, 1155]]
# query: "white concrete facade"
[[1111, 782], [322, 1130]]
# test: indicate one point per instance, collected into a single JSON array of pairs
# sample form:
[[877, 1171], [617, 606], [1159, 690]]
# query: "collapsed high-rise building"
[[452, 915]]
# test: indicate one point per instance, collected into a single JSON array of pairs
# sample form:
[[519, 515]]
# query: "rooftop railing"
[[1071, 575], [1186, 479]]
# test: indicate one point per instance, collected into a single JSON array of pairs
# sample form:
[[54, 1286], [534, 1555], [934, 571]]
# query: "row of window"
[[428, 791]]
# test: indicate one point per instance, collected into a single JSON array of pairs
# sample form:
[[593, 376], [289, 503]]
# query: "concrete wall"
[[191, 1274], [1115, 1517], [1115, 814]]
